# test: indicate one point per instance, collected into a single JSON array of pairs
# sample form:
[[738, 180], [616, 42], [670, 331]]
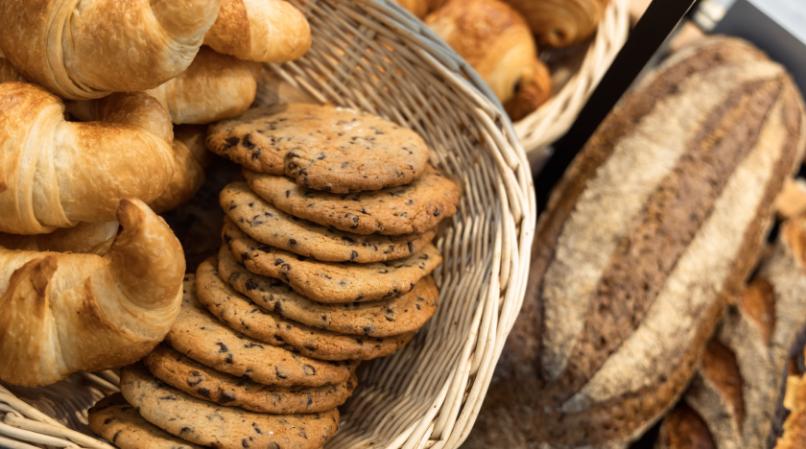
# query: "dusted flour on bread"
[[656, 223]]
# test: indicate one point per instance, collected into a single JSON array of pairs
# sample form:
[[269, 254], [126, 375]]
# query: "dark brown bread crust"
[[669, 219]]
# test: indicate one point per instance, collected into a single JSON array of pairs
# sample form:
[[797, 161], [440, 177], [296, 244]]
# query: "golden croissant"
[[561, 23], [497, 42], [421, 8], [84, 49], [61, 313], [215, 87], [260, 30], [56, 173], [95, 238]]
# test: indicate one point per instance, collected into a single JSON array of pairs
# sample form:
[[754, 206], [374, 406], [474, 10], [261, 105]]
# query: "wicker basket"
[[552, 120], [373, 56]]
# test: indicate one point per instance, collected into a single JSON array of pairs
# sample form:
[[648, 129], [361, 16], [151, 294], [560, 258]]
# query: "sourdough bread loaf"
[[738, 391], [654, 225]]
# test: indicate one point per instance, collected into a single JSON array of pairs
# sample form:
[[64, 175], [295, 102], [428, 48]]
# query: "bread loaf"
[[738, 389], [654, 225]]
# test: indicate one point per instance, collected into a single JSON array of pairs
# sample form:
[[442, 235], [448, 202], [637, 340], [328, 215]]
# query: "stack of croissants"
[[500, 39], [101, 114]]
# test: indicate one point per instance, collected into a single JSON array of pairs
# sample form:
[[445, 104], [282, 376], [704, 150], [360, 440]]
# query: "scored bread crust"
[[609, 358], [739, 389]]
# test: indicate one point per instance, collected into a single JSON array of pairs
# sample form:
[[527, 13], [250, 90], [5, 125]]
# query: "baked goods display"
[[500, 38], [650, 232], [273, 327], [739, 387]]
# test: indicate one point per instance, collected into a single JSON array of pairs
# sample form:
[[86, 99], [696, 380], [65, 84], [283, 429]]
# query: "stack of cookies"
[[326, 262]]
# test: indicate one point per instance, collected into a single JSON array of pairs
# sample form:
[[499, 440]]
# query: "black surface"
[[648, 35]]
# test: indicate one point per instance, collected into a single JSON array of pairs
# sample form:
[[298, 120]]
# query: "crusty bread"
[[64, 312], [656, 223], [738, 389], [88, 49]]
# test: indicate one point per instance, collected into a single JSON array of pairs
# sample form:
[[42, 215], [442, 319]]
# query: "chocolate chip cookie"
[[119, 423], [205, 383], [209, 424], [403, 314], [267, 224], [328, 282], [201, 337], [410, 209], [323, 147], [245, 317]]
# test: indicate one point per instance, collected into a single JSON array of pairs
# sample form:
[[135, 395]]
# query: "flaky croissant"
[[61, 312], [497, 42], [215, 87], [421, 8], [7, 71], [260, 30], [56, 173], [561, 23], [191, 156], [94, 238], [84, 49]]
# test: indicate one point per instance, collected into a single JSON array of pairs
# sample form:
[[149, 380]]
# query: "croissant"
[[191, 158], [214, 87], [421, 8], [56, 173], [7, 71], [497, 42], [260, 30], [61, 313], [95, 238], [561, 23], [90, 48]]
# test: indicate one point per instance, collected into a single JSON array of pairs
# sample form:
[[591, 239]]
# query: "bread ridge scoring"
[[685, 244]]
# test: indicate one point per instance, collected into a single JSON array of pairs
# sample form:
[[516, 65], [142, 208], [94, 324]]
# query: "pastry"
[[7, 71], [207, 384], [410, 209], [215, 87], [421, 8], [561, 23], [791, 202], [267, 224], [118, 422], [56, 173], [209, 424], [328, 282], [654, 219], [95, 238], [738, 389], [191, 158], [89, 49], [61, 313], [240, 314], [260, 30], [396, 316], [323, 147], [496, 40], [201, 337]]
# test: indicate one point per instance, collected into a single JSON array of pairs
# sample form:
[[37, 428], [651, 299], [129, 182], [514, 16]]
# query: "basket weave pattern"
[[373, 56], [555, 117]]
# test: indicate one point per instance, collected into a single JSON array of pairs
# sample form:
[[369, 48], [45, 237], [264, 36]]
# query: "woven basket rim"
[[451, 416], [542, 127]]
